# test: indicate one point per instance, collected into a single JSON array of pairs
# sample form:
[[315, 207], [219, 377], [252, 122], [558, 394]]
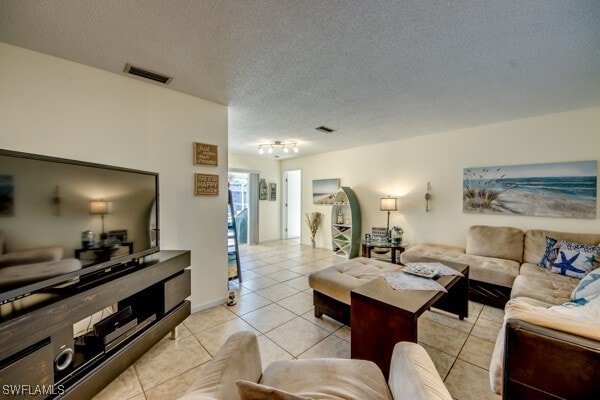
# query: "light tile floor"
[[275, 302]]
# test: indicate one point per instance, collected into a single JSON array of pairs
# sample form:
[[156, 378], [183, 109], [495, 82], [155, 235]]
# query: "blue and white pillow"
[[576, 260], [589, 285], [551, 252]]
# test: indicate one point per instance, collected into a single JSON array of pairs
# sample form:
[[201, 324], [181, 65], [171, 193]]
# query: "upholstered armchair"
[[235, 373]]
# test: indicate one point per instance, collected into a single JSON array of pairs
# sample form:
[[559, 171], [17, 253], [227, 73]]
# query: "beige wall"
[[269, 212], [404, 167], [55, 107]]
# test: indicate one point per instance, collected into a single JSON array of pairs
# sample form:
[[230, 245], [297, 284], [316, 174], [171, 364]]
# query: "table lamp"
[[101, 207], [388, 204]]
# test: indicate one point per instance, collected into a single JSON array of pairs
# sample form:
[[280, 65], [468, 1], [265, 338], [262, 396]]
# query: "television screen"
[[61, 220]]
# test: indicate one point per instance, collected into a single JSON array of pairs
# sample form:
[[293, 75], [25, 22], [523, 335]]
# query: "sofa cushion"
[[497, 271], [338, 280], [535, 242], [238, 358], [588, 286], [580, 317], [432, 250], [550, 291], [535, 271], [495, 242], [413, 375], [575, 259], [328, 378], [255, 391]]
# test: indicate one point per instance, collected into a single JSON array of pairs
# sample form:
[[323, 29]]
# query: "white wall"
[[55, 107], [269, 212], [294, 203], [404, 167]]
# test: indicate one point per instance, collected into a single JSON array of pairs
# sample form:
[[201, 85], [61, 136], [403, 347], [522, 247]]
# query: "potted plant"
[[313, 220]]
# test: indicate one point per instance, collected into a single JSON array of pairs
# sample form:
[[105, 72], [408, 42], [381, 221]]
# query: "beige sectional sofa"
[[541, 351], [504, 261]]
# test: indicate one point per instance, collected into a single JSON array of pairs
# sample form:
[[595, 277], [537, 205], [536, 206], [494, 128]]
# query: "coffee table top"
[[411, 302]]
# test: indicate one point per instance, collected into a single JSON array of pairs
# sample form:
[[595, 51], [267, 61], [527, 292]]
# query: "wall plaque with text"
[[205, 154], [206, 184]]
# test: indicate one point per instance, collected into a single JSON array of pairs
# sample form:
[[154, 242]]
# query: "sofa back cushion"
[[535, 242], [237, 359], [496, 242]]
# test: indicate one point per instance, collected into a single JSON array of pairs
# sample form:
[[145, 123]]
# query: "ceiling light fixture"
[[277, 144]]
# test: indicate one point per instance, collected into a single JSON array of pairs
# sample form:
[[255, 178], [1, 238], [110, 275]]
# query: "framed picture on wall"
[[263, 189], [324, 190], [561, 189], [272, 191]]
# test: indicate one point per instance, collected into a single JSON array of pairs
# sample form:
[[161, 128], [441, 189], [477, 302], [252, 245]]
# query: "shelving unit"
[[345, 236]]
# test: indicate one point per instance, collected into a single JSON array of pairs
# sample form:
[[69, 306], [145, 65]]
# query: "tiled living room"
[[275, 302]]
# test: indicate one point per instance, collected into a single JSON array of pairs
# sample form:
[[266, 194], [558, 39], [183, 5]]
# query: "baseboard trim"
[[205, 306]]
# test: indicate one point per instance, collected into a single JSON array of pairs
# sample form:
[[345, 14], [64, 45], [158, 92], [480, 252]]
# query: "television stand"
[[37, 344]]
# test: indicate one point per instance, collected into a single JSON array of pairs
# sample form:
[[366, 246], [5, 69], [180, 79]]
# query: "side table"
[[103, 253], [399, 248]]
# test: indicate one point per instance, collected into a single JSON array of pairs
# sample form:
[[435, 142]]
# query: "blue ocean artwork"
[[550, 190]]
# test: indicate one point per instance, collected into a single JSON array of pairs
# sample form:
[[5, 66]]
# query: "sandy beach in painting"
[[323, 198], [522, 202]]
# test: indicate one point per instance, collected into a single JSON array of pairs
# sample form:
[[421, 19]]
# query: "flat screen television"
[[64, 220]]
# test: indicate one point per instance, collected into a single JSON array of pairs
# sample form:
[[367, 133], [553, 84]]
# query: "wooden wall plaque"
[[206, 154], [206, 184]]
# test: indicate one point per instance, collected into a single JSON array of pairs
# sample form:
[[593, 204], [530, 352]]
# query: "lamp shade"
[[101, 207], [388, 204]]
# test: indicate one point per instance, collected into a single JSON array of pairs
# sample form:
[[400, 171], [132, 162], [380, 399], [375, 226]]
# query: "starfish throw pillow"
[[576, 260]]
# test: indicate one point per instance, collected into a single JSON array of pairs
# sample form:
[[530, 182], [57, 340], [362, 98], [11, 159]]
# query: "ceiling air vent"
[[324, 129], [144, 73]]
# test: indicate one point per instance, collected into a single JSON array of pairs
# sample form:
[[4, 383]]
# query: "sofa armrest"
[[239, 358], [414, 376], [33, 256], [543, 363]]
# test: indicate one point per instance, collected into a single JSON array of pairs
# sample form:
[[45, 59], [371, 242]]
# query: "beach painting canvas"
[[566, 190], [324, 190]]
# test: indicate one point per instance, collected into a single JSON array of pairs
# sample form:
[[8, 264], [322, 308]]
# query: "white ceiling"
[[375, 71]]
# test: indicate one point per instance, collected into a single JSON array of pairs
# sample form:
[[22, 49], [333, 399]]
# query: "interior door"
[[292, 204]]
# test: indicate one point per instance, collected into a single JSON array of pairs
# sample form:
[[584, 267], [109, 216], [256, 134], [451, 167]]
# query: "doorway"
[[244, 192], [238, 184], [292, 204]]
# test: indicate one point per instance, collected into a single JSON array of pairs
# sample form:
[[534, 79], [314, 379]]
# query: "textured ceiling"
[[375, 71]]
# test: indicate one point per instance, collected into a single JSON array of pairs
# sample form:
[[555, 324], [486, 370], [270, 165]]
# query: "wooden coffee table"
[[382, 316]]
